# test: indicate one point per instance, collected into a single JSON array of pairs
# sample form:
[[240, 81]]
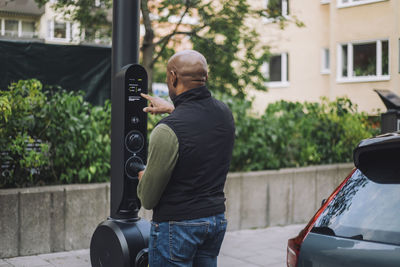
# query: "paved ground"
[[245, 248]]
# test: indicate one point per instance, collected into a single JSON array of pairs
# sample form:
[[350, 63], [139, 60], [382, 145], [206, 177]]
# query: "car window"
[[363, 210]]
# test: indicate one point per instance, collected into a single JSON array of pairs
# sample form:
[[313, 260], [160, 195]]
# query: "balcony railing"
[[29, 35], [11, 33], [15, 34]]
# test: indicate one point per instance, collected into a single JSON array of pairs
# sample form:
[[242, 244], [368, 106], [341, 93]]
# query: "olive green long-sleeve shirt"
[[161, 161]]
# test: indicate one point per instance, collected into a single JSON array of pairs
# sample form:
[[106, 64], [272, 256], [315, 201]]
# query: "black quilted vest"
[[205, 130]]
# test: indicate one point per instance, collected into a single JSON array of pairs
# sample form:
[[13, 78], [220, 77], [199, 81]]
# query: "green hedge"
[[74, 136], [297, 134]]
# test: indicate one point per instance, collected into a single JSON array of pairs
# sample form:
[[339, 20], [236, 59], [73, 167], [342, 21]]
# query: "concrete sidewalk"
[[244, 248]]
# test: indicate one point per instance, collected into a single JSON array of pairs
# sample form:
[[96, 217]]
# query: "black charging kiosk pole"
[[122, 240]]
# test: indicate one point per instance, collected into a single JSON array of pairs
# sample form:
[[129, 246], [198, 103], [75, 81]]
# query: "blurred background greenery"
[[51, 136]]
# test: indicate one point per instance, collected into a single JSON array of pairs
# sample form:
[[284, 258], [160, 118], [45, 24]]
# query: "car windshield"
[[363, 210]]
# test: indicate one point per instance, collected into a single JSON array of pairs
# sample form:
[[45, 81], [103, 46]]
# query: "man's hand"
[[136, 167], [140, 175], [157, 105]]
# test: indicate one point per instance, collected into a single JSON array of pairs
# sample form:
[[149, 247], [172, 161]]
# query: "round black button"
[[130, 167], [134, 120], [134, 141]]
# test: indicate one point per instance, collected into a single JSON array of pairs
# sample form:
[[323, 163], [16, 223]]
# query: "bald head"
[[186, 70]]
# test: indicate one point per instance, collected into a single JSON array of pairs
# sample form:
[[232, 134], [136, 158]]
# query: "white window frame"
[[3, 27], [67, 38], [325, 2], [351, 3], [325, 69], [19, 31], [285, 14], [284, 72], [350, 77], [19, 28]]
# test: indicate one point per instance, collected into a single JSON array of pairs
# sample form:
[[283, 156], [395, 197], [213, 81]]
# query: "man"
[[189, 157]]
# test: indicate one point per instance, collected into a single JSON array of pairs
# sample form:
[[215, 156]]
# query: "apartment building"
[[25, 20], [347, 48]]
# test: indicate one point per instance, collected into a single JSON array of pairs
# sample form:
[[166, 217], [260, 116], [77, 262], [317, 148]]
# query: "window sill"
[[363, 79], [339, 5], [325, 72], [59, 40], [324, 2], [274, 20], [277, 84]]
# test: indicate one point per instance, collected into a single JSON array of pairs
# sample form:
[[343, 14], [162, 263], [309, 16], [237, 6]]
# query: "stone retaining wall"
[[282, 197], [58, 218]]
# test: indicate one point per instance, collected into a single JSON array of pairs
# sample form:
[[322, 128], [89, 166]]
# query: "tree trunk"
[[148, 43], [147, 53]]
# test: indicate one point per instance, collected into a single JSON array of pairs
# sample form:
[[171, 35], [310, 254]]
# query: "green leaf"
[[92, 169]]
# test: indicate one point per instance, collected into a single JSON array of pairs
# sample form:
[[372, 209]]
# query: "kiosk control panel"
[[135, 118], [131, 137]]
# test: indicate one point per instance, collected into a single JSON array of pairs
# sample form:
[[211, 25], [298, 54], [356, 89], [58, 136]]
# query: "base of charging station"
[[118, 243]]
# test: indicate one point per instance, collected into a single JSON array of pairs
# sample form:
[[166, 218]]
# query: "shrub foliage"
[[49, 137], [293, 134]]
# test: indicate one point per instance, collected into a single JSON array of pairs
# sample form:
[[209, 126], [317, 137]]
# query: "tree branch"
[[168, 37]]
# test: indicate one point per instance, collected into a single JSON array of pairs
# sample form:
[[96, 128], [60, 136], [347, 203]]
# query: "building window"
[[363, 61], [11, 28], [325, 61], [59, 31], [349, 3], [277, 8], [17, 28], [276, 70], [28, 29]]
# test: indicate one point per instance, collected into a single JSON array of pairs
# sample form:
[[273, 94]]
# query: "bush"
[[79, 135], [296, 134], [21, 157], [50, 138], [57, 137]]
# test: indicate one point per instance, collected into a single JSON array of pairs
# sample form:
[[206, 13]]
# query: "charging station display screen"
[[135, 87]]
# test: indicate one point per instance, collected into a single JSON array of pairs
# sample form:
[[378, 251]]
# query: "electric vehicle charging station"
[[122, 240]]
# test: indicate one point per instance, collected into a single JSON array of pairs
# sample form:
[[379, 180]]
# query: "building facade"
[[346, 48], [25, 20]]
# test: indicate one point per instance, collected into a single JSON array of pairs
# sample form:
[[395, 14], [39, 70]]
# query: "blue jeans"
[[187, 243]]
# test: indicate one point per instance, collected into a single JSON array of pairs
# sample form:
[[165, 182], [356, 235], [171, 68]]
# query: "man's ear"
[[206, 77], [174, 78]]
